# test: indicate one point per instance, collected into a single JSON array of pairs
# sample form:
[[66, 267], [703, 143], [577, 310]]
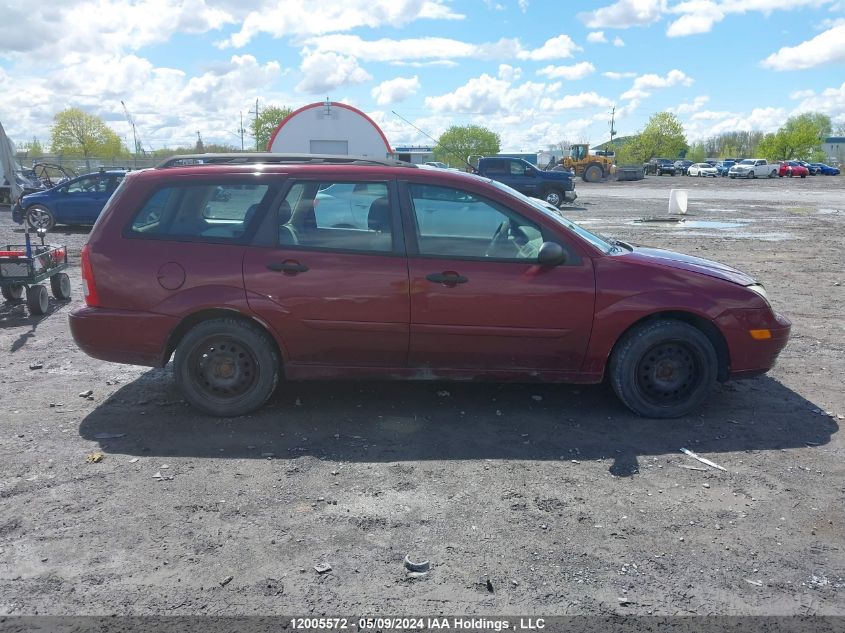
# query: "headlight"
[[760, 290]]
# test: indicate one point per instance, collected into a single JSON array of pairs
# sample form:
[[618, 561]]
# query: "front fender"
[[615, 318]]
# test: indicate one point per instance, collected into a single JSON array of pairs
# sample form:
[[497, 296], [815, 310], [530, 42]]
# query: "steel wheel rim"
[[669, 373], [553, 198], [39, 218], [223, 368]]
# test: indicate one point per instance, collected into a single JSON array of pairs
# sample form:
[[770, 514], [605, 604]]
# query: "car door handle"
[[289, 267], [448, 278]]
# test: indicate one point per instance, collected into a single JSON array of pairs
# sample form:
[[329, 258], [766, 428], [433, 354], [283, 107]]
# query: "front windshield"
[[552, 213], [747, 161]]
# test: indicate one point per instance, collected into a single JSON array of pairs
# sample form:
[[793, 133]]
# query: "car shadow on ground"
[[398, 421]]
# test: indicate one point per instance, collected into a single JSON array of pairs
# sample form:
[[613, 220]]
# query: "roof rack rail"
[[252, 158]]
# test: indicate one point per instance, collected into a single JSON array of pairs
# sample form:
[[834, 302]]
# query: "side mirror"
[[551, 254]]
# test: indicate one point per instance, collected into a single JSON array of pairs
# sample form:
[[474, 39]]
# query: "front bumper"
[[750, 356], [569, 196], [122, 336], [17, 212]]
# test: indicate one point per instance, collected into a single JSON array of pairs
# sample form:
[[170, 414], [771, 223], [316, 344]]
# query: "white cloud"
[[614, 75], [644, 83], [489, 95], [324, 72], [694, 106], [698, 16], [597, 37], [523, 5], [576, 102], [825, 48], [830, 101], [555, 48], [441, 49], [624, 14], [576, 71], [618, 42], [305, 17], [395, 90], [509, 73], [712, 123]]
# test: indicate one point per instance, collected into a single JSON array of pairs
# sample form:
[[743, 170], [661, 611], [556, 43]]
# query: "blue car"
[[724, 167], [77, 201], [826, 170]]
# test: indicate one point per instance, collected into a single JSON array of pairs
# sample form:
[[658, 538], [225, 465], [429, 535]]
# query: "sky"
[[537, 72]]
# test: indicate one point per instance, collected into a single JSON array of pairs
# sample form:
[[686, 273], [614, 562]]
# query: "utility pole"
[[255, 127], [241, 130], [134, 134], [612, 123]]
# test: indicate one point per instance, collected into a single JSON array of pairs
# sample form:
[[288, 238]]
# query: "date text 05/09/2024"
[[465, 624]]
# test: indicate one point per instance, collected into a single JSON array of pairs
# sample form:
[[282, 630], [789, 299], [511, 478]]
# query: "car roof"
[[270, 158]]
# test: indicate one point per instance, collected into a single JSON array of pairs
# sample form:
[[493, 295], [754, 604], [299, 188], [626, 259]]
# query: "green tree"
[[663, 136], [697, 153], [77, 133], [263, 125], [799, 138], [459, 142], [30, 149]]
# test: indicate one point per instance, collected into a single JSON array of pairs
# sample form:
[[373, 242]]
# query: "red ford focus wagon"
[[253, 268]]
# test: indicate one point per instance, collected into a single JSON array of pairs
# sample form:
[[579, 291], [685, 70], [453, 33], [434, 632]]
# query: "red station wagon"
[[255, 267]]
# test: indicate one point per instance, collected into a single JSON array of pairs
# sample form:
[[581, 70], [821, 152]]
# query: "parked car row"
[[745, 168]]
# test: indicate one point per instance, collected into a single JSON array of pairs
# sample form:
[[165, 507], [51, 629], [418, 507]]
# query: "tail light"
[[89, 288]]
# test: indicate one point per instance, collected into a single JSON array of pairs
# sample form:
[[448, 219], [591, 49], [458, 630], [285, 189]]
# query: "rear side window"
[[208, 211], [343, 216]]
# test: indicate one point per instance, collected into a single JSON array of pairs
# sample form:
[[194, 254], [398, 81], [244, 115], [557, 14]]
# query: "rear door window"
[[343, 216], [207, 211]]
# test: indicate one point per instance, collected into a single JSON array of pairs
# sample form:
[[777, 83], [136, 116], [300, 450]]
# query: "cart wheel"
[[12, 293], [37, 299], [60, 285]]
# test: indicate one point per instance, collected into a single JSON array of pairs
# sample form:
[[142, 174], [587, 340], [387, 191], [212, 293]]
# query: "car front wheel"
[[553, 196], [227, 367], [39, 217], [663, 368]]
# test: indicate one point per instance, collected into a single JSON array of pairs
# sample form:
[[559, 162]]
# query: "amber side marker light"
[[760, 335]]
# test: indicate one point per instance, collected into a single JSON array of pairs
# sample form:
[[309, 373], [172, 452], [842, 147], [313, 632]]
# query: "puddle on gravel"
[[739, 229], [829, 211], [690, 224]]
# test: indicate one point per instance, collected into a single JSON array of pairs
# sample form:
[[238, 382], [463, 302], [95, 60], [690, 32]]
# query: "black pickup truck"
[[555, 187], [660, 166]]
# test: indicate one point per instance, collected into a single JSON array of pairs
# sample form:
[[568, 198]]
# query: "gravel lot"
[[558, 496]]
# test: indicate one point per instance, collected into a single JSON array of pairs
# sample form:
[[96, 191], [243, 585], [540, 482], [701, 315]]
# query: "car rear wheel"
[[39, 217], [227, 367], [553, 196], [663, 368], [773, 173]]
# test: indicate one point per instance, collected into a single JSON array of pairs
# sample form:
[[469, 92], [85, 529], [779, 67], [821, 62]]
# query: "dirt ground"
[[557, 495]]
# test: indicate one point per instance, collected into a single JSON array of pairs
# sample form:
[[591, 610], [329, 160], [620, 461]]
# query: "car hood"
[[679, 261]]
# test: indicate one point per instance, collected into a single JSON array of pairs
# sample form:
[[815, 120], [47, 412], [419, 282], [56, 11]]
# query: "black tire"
[[12, 293], [60, 286], [663, 368], [752, 174], [553, 196], [37, 299], [593, 173], [40, 217], [244, 359], [803, 175], [773, 173]]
